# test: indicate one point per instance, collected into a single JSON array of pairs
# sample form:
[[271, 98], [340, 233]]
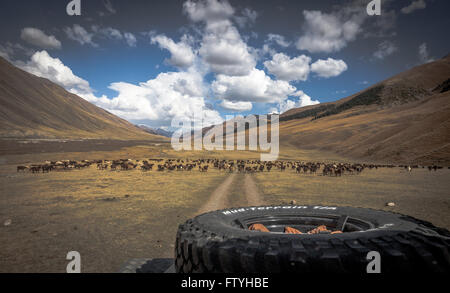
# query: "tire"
[[217, 242]]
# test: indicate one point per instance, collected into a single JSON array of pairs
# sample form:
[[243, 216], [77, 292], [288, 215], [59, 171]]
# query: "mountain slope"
[[405, 118], [411, 85], [31, 106]]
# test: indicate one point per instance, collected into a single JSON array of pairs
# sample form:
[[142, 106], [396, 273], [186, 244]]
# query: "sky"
[[153, 62]]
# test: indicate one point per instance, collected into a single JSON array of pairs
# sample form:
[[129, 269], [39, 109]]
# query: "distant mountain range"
[[157, 131], [34, 107]]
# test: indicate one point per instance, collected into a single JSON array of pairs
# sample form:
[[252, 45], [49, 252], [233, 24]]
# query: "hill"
[[34, 107], [405, 118]]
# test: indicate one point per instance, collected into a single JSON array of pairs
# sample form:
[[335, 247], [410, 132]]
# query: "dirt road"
[[252, 192], [219, 199]]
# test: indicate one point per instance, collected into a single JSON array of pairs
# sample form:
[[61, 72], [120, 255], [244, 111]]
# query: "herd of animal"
[[203, 165]]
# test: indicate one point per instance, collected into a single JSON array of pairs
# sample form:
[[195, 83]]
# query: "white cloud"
[[9, 50], [208, 10], [43, 65], [424, 55], [236, 106], [250, 14], [108, 32], [182, 54], [159, 100], [6, 52], [38, 38], [385, 49], [279, 39], [130, 39], [255, 87], [327, 32], [288, 69], [415, 5], [222, 47], [115, 34], [170, 95], [80, 35], [266, 50], [303, 100], [225, 52], [248, 17], [328, 68]]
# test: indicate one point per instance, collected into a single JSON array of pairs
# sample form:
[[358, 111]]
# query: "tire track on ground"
[[251, 192], [219, 198]]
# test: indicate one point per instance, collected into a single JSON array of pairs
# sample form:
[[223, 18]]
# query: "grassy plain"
[[113, 216]]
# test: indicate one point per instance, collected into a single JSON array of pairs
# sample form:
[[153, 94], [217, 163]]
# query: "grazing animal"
[[47, 168], [203, 169], [21, 168], [241, 166], [147, 167], [35, 169], [101, 166]]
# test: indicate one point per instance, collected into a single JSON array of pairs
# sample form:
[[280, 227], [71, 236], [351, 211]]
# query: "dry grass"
[[109, 217]]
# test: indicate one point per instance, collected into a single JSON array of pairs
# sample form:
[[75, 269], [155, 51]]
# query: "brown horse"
[[22, 168]]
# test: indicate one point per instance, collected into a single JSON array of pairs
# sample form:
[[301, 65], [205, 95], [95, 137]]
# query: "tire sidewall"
[[222, 222]]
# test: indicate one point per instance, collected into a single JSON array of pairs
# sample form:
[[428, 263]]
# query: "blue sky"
[[152, 61]]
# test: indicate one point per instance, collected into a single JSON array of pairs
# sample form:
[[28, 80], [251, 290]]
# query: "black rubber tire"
[[213, 242]]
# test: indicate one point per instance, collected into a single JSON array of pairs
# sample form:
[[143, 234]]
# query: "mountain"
[[157, 131], [34, 107], [405, 118]]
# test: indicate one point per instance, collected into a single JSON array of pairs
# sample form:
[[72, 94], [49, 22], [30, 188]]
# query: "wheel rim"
[[305, 223]]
